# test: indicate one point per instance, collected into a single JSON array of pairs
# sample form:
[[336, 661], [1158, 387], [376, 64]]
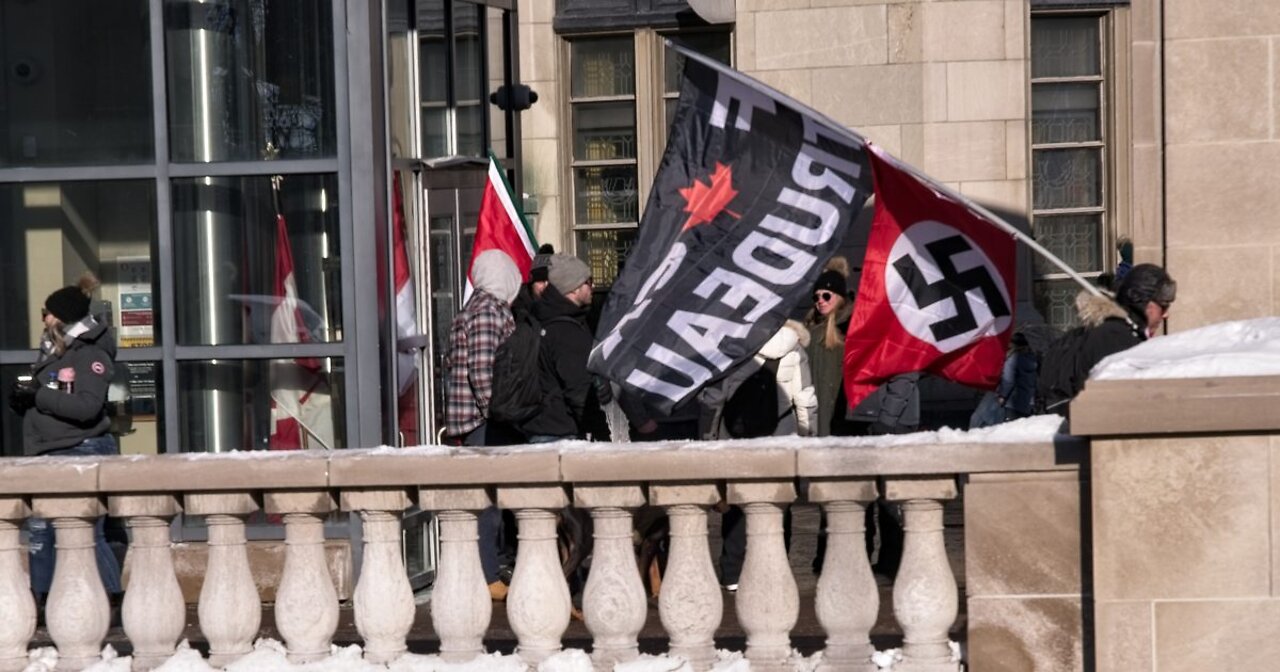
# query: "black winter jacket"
[[568, 395], [63, 419], [1108, 328]]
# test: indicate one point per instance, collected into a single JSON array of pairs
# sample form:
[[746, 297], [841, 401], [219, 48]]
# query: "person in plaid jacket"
[[484, 323]]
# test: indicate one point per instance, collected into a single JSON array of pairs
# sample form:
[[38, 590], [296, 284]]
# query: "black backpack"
[[752, 409], [517, 383], [1057, 381]]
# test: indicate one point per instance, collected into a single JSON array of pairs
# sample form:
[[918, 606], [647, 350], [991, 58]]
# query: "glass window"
[[245, 73], [232, 262], [1069, 139], [76, 87], [55, 231], [278, 404], [452, 73]]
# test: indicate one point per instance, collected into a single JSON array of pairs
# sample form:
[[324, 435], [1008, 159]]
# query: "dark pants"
[[42, 550]]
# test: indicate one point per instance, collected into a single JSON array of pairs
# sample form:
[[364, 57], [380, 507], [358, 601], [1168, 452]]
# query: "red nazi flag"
[[937, 289]]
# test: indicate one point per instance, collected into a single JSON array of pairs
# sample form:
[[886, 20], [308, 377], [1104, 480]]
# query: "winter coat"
[[569, 402], [475, 334], [827, 365], [894, 408], [1106, 328], [797, 401], [61, 419]]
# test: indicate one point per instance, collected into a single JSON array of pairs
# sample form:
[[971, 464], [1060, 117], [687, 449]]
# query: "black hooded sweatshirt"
[[62, 419], [568, 397]]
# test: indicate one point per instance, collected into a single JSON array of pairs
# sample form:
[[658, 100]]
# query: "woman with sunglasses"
[[828, 321], [63, 404]]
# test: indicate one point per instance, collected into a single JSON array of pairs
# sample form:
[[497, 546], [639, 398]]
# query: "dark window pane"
[[605, 251], [226, 252], [55, 231], [714, 45], [227, 404], [1056, 301], [1065, 113], [1067, 178], [245, 73], [604, 131], [468, 71], [1065, 47], [1075, 239], [76, 83], [471, 130], [606, 195], [603, 67]]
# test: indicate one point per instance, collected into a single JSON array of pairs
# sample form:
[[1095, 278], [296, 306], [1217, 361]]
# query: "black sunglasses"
[[823, 296]]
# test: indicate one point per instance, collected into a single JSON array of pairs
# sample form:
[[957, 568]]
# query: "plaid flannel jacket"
[[476, 332]]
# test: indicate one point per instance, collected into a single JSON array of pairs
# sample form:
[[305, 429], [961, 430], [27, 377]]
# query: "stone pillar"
[[77, 611], [925, 596], [768, 601], [690, 604], [154, 612], [306, 601], [847, 600], [538, 602], [614, 604], [19, 622], [383, 598], [460, 603], [230, 608]]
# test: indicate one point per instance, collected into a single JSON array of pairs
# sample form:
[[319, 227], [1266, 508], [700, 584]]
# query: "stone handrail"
[[686, 478]]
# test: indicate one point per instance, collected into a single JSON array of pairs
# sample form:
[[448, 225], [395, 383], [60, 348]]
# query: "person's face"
[[825, 301], [582, 295], [49, 320], [1156, 314], [538, 287]]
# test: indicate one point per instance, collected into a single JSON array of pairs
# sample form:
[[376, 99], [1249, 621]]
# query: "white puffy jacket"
[[795, 382]]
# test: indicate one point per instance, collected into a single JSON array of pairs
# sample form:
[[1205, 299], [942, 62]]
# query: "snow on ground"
[[269, 655], [1240, 348]]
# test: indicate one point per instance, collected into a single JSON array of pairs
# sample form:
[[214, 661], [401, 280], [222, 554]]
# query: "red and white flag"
[[501, 227], [406, 307], [301, 410], [937, 289]]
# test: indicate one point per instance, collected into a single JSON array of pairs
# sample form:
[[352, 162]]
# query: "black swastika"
[[953, 286]]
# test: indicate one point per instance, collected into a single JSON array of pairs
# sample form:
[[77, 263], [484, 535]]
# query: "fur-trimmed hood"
[[1094, 309], [792, 336]]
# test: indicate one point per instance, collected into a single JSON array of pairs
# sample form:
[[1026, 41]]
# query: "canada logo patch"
[[98, 368]]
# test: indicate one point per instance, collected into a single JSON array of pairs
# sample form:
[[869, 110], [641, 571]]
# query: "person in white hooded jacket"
[[797, 409]]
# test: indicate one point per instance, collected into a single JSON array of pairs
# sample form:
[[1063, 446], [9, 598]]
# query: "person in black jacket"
[[570, 401], [1108, 326], [64, 412]]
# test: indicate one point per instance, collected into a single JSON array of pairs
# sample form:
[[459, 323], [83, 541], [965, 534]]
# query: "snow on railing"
[[843, 475]]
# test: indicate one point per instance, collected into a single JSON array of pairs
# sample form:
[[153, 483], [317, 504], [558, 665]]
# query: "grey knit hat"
[[567, 273]]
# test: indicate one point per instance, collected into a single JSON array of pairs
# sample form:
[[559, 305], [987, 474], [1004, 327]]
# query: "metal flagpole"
[[933, 184]]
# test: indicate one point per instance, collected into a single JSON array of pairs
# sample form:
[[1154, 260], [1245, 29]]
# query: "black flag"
[[754, 193]]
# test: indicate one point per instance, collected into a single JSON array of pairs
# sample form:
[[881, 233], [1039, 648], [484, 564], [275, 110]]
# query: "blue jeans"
[[43, 556]]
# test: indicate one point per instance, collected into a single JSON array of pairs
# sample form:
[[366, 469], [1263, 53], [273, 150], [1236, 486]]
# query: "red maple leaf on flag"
[[704, 202]]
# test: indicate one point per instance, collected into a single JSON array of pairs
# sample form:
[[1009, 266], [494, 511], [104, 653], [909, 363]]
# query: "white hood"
[[496, 274]]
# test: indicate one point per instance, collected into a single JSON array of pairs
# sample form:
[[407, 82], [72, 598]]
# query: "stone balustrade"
[[609, 481]]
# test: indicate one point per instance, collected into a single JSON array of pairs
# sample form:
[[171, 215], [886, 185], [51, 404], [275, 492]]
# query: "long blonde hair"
[[57, 332], [831, 336]]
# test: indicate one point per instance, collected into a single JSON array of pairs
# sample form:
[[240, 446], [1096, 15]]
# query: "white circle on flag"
[[930, 305]]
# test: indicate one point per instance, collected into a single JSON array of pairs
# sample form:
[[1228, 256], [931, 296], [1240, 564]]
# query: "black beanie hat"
[[541, 264], [1143, 283], [69, 304], [832, 281]]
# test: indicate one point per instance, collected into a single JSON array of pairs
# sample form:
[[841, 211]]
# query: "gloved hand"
[[23, 395]]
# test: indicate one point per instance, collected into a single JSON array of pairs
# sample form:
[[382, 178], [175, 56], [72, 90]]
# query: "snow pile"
[[1240, 348], [269, 655]]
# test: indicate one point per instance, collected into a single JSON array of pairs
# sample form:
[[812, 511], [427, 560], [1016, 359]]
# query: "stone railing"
[[687, 479]]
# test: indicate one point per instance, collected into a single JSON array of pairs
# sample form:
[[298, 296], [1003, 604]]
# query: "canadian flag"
[[301, 410], [937, 289], [501, 226]]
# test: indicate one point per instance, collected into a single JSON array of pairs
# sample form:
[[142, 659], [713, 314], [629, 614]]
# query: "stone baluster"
[[154, 612], [230, 609], [768, 601], [847, 599], [306, 600], [77, 611], [18, 624], [614, 604], [690, 604], [925, 596], [383, 599], [538, 603], [460, 603]]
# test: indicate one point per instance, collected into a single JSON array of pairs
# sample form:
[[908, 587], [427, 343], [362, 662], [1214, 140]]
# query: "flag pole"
[[933, 184]]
